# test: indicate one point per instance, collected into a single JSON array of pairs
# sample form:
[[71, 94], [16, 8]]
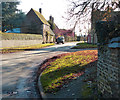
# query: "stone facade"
[[35, 23], [32, 24], [108, 67]]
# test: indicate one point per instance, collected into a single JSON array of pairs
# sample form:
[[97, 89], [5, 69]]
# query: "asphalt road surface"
[[19, 70]]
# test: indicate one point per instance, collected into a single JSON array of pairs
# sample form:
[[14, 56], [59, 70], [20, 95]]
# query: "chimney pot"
[[40, 10], [50, 18]]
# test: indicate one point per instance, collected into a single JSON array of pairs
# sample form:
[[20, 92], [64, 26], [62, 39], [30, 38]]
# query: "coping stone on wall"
[[115, 39], [114, 43]]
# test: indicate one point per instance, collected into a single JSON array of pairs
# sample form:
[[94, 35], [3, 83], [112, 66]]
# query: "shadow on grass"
[[48, 78]]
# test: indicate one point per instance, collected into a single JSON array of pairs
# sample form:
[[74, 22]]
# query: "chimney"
[[51, 19], [40, 10]]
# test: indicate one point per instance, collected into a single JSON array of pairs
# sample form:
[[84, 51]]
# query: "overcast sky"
[[56, 8]]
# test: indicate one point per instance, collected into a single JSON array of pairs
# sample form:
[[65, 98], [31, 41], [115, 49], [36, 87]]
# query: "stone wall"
[[108, 67], [16, 43], [15, 39]]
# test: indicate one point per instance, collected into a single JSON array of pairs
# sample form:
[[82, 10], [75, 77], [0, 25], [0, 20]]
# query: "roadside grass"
[[87, 91], [23, 48], [65, 68], [84, 45], [90, 90]]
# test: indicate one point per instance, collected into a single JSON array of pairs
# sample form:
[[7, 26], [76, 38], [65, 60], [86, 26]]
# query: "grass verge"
[[65, 67], [84, 45], [23, 48]]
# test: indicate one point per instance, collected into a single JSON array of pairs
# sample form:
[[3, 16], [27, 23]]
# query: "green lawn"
[[23, 48], [65, 68], [84, 45]]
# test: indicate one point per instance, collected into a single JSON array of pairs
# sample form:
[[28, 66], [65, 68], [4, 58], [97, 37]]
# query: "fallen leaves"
[[61, 69]]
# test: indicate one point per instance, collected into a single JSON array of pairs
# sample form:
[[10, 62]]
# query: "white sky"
[[56, 8]]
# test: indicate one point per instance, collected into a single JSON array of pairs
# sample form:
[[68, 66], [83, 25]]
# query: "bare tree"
[[80, 10]]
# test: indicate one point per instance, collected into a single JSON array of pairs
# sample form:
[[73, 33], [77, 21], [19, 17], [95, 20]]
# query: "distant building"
[[35, 23], [69, 35]]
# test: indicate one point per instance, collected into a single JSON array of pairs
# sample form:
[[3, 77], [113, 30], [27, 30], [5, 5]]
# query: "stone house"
[[35, 23], [97, 15]]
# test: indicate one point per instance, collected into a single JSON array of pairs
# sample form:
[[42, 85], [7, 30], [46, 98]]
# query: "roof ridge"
[[40, 16]]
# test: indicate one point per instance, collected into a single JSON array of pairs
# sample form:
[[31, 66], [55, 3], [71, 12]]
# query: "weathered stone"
[[108, 60]]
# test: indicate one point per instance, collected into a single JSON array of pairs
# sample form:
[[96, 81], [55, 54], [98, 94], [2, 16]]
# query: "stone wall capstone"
[[108, 66]]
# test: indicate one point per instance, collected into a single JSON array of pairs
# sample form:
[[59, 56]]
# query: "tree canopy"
[[11, 16], [79, 9]]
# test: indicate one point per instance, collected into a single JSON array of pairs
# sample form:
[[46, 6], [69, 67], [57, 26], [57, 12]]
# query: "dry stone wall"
[[108, 67]]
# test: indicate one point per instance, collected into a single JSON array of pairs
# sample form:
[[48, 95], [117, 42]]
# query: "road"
[[19, 70]]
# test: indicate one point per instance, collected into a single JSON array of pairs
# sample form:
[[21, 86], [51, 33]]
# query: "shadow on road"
[[61, 48]]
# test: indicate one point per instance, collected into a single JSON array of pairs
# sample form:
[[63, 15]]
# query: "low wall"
[[20, 36], [19, 39], [108, 66], [12, 43]]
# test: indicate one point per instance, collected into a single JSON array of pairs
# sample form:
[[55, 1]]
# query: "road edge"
[[43, 95]]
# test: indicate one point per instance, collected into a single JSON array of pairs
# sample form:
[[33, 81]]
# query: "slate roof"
[[41, 17]]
